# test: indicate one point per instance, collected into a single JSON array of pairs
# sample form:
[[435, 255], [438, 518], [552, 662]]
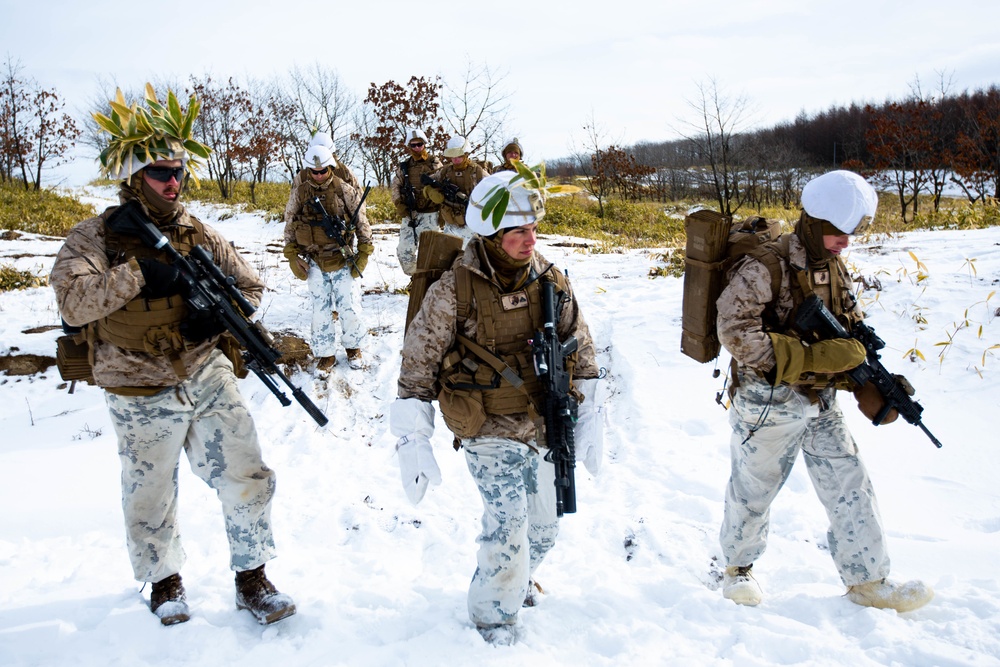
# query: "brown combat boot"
[[168, 602], [354, 359], [326, 363], [259, 596]]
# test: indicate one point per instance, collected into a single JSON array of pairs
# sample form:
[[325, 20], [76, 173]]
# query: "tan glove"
[[361, 259], [298, 265], [434, 194], [870, 402], [793, 358]]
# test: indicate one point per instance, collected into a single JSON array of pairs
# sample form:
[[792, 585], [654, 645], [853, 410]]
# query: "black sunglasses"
[[417, 144], [164, 174], [319, 172]]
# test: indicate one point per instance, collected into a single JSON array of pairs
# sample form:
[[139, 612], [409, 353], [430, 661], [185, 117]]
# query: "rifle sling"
[[505, 371]]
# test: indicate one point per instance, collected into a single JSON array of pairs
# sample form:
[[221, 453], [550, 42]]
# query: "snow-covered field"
[[633, 579]]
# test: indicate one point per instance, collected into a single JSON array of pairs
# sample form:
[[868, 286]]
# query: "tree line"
[[911, 147], [259, 131]]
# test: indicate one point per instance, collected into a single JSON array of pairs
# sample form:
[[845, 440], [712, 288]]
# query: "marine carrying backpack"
[[714, 244]]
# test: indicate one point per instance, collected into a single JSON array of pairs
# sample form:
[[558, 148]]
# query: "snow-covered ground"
[[633, 579]]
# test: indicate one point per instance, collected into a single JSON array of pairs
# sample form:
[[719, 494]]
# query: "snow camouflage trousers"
[[463, 232], [762, 463], [204, 416], [330, 292], [519, 524], [406, 249]]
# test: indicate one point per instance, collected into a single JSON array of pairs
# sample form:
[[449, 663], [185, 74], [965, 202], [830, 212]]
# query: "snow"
[[633, 578]]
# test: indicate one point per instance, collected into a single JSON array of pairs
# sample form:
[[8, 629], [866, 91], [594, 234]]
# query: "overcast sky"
[[630, 66]]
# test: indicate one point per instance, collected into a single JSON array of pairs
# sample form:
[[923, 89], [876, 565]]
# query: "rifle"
[[559, 406], [336, 228], [814, 316], [409, 197], [212, 293], [452, 193]]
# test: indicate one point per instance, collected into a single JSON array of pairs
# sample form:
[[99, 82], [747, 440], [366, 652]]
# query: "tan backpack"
[[714, 244]]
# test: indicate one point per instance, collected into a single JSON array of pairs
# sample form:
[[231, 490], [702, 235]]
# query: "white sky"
[[629, 65]]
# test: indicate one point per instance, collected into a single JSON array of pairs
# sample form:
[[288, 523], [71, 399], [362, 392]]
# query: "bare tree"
[[588, 163], [477, 107], [715, 136], [324, 104], [35, 132], [224, 111]]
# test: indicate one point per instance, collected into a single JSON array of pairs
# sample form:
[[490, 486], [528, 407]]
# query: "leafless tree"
[[714, 133], [477, 107], [324, 105]]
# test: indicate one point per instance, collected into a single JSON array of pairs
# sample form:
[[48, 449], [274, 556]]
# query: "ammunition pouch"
[[73, 358], [460, 398]]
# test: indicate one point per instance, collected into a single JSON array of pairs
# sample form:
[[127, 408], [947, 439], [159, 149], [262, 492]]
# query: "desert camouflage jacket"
[[741, 307], [88, 287], [432, 335]]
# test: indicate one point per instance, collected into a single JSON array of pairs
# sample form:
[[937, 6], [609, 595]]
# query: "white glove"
[[412, 421], [588, 434]]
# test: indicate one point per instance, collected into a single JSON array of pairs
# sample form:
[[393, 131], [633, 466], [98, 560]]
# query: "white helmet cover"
[[842, 198], [318, 157], [415, 133], [524, 207], [322, 139], [457, 147]]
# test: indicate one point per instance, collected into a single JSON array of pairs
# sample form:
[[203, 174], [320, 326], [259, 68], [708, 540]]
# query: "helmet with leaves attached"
[[502, 200], [141, 136]]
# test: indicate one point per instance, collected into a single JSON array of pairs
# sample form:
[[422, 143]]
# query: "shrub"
[[12, 279], [39, 211]]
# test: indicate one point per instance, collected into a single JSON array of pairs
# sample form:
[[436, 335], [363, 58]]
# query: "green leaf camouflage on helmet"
[[498, 198], [141, 136]]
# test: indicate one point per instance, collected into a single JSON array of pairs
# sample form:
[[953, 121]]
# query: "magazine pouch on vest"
[[73, 355], [714, 243]]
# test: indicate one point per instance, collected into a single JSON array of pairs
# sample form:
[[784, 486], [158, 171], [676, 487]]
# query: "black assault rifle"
[[211, 293], [409, 197], [814, 316], [336, 229], [452, 194], [559, 407]]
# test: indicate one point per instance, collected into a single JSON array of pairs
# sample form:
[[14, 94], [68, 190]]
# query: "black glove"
[[201, 326], [162, 280]]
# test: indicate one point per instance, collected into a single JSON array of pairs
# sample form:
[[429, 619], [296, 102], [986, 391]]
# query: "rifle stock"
[[212, 292], [559, 406], [814, 316]]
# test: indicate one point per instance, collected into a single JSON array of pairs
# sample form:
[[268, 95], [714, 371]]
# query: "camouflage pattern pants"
[[334, 291], [786, 422], [462, 232], [406, 250], [204, 416], [519, 524]]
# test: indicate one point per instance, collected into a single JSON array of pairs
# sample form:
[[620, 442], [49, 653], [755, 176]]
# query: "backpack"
[[436, 252], [714, 244]]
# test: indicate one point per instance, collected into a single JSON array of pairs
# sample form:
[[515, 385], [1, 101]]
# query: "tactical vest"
[[146, 325], [832, 284], [499, 360], [412, 170], [309, 233], [466, 179]]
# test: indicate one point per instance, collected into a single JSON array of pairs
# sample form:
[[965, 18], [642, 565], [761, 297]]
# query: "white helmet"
[[457, 147], [842, 198], [524, 207], [322, 139], [415, 133], [318, 157]]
